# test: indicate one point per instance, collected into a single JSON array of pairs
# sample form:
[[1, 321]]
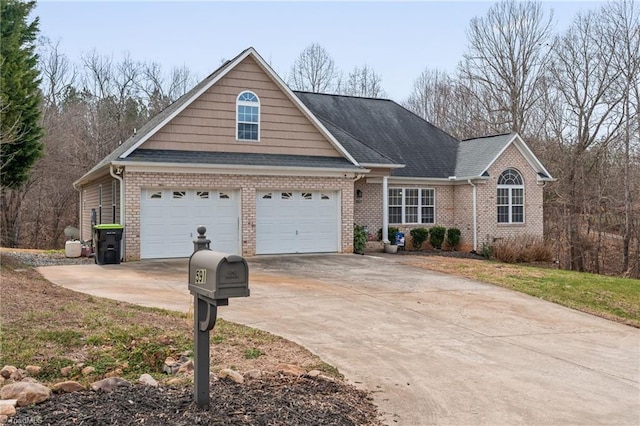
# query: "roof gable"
[[476, 156], [160, 120]]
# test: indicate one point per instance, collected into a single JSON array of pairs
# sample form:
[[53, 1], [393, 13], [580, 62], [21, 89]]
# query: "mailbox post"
[[213, 278]]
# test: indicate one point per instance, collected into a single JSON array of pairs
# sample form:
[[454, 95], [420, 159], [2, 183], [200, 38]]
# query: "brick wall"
[[454, 205], [488, 226], [248, 185]]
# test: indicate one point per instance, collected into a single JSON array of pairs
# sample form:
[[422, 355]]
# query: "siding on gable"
[[91, 200], [209, 123]]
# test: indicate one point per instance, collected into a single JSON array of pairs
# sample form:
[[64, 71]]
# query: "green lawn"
[[609, 297]]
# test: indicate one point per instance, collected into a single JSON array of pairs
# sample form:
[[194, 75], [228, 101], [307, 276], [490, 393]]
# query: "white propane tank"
[[73, 248]]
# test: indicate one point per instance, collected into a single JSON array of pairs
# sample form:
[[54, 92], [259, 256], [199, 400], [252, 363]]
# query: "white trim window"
[[412, 205], [510, 197], [248, 117]]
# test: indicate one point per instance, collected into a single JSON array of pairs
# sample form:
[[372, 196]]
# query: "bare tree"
[[621, 26], [585, 83], [431, 97], [506, 59], [58, 74], [363, 82], [314, 70]]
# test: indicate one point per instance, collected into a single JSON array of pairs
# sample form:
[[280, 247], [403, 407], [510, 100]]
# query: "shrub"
[[523, 249], [392, 231], [359, 239], [486, 251], [453, 237], [419, 236], [436, 236]]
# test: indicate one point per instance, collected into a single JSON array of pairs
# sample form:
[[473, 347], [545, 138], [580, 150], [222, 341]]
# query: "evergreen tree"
[[20, 97]]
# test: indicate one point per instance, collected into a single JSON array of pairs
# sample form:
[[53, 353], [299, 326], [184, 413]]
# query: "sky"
[[398, 40]]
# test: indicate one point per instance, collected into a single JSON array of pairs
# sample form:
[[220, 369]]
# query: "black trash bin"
[[106, 240]]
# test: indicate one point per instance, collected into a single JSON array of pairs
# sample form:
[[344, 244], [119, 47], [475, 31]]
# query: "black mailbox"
[[218, 276]]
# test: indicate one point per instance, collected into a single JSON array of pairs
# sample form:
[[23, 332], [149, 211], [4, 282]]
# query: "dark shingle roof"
[[388, 129], [238, 159]]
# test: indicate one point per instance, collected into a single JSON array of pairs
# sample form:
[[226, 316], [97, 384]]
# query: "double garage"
[[286, 221]]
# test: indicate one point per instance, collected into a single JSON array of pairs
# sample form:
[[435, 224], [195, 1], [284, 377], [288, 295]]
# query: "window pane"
[[247, 131], [428, 196], [503, 214], [503, 196], [517, 196], [510, 177], [395, 214], [411, 215], [517, 214], [428, 215], [395, 197], [411, 197]]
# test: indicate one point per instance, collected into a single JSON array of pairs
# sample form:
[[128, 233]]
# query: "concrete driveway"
[[434, 349]]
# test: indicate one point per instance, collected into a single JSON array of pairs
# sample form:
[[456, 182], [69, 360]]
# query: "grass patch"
[[53, 327], [252, 353], [609, 297]]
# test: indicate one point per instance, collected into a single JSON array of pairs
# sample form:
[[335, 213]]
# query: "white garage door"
[[297, 222], [169, 219]]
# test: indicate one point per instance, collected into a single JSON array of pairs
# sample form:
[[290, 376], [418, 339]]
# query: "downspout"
[[121, 186], [80, 222], [385, 210], [475, 216]]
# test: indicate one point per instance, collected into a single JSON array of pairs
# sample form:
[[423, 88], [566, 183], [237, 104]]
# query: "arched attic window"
[[510, 197], [248, 117]]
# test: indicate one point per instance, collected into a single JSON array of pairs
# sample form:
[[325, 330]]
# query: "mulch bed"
[[271, 400]]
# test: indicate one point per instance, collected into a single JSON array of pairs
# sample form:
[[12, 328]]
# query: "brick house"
[[268, 171]]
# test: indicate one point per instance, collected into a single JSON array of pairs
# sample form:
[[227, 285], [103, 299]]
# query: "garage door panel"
[[296, 222], [170, 217]]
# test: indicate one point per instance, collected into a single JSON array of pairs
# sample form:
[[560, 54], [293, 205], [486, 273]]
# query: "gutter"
[[117, 176], [475, 215]]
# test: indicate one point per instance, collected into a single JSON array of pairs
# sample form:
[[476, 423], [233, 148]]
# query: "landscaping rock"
[[109, 384], [186, 367], [65, 371], [68, 386], [26, 393], [234, 376], [7, 371], [2, 379], [253, 374], [314, 373], [171, 366], [148, 380], [7, 410], [33, 370], [290, 369], [115, 373], [29, 380], [18, 374], [88, 370]]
